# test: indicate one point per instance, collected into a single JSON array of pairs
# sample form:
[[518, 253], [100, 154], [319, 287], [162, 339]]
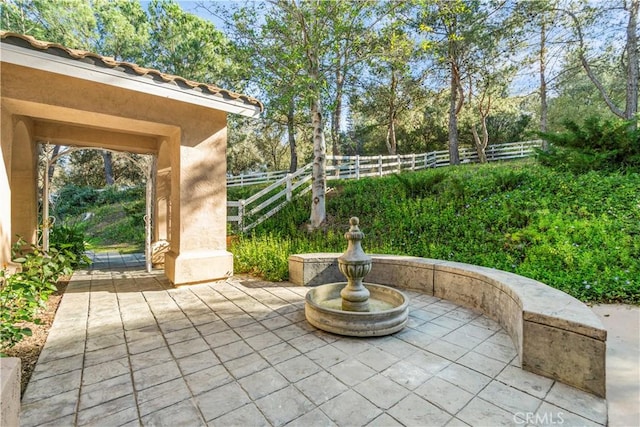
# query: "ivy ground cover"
[[577, 233]]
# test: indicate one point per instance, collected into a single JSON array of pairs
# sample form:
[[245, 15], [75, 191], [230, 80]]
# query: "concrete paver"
[[127, 348], [623, 362]]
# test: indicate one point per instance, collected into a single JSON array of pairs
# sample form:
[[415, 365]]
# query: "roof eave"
[[69, 67]]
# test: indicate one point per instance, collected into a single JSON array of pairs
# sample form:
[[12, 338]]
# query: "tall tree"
[[572, 83], [543, 77], [628, 58], [187, 45], [108, 167], [451, 29], [394, 65], [274, 71], [309, 48], [351, 42], [69, 22], [394, 87], [489, 71], [122, 30]]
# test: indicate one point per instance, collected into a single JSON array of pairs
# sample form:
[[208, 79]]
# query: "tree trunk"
[[392, 145], [108, 167], [319, 178], [454, 155], [543, 81], [481, 144], [587, 68], [631, 107], [52, 162], [391, 142], [337, 112], [291, 131]]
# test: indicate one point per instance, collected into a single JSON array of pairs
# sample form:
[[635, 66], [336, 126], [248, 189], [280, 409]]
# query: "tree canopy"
[[370, 77]]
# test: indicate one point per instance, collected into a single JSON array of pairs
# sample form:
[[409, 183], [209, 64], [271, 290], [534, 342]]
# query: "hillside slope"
[[578, 233]]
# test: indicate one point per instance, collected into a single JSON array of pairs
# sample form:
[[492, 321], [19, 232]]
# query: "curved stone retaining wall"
[[555, 335]]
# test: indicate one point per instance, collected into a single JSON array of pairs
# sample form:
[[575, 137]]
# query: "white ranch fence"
[[248, 213]]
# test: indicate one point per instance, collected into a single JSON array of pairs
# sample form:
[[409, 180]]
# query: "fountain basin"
[[389, 311]]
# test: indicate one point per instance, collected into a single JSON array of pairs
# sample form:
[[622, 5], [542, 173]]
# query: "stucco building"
[[76, 98]]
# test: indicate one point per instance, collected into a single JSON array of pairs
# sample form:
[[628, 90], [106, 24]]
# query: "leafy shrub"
[[597, 145], [112, 194], [73, 200], [117, 216], [509, 180], [418, 188], [24, 292], [116, 224], [70, 237]]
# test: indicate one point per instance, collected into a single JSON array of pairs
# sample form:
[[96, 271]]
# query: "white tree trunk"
[[454, 155], [631, 107], [543, 80], [319, 176]]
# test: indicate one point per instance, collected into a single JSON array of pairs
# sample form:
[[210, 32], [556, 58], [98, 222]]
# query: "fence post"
[[399, 164], [380, 165], [357, 166], [413, 161], [241, 215], [288, 187]]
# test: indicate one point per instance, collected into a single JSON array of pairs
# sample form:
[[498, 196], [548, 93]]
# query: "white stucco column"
[[198, 212]]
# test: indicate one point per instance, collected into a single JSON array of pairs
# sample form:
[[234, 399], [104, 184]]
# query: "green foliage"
[[72, 200], [86, 168], [505, 127], [596, 145], [415, 186], [577, 233], [70, 237], [24, 292], [116, 223], [100, 217], [112, 195], [189, 46]]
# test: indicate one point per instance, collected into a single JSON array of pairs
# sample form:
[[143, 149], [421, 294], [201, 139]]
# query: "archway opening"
[[101, 195]]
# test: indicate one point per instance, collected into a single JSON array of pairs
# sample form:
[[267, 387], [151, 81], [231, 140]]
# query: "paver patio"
[[127, 348]]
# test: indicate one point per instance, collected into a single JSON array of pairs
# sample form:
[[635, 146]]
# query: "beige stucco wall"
[[189, 140], [6, 138], [24, 179]]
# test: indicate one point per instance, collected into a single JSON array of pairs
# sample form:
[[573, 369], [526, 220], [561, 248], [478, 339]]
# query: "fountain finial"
[[365, 311], [354, 264]]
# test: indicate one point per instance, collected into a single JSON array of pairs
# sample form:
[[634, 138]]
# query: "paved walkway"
[[127, 348], [623, 362]]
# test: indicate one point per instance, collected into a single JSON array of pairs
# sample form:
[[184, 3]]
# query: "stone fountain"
[[355, 308]]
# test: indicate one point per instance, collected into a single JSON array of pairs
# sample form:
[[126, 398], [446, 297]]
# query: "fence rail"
[[255, 178], [248, 213]]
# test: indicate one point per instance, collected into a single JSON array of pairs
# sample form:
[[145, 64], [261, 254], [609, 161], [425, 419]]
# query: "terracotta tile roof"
[[30, 42]]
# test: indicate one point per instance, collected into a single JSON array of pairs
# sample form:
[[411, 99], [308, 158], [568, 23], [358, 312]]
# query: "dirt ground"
[[28, 350]]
